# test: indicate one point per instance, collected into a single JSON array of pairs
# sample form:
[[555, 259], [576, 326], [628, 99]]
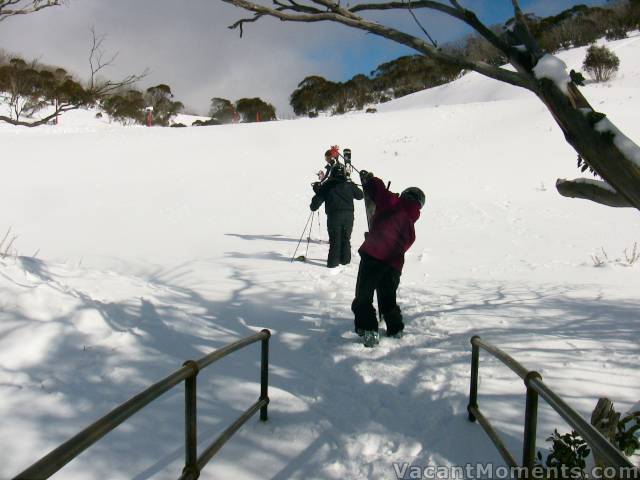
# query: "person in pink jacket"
[[391, 234]]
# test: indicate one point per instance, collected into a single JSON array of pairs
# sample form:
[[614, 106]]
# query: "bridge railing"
[[60, 456], [535, 389]]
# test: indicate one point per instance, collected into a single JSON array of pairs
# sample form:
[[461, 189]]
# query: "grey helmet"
[[415, 194]]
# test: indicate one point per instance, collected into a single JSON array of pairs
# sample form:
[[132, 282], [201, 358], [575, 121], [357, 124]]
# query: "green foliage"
[[581, 25], [568, 450], [126, 108], [627, 434], [313, 94], [577, 78], [410, 74], [394, 79], [164, 108], [255, 109], [206, 123], [601, 63], [222, 110], [31, 88]]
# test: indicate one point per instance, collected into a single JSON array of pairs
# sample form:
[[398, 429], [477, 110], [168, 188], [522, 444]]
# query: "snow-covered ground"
[[159, 245]]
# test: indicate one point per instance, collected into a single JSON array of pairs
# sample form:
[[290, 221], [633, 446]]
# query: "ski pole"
[[306, 254], [299, 241]]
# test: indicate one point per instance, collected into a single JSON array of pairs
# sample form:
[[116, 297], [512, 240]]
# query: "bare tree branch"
[[96, 57], [10, 8], [595, 191], [349, 18], [466, 16], [424, 30]]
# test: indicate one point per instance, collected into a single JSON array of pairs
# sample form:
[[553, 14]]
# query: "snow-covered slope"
[[159, 245], [474, 88]]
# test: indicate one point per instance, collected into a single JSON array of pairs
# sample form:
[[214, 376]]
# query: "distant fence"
[[59, 457], [536, 387]]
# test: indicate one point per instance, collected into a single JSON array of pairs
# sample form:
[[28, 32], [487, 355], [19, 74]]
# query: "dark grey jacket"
[[337, 195]]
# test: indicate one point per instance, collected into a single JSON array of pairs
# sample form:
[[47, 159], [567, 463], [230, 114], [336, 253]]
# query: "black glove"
[[315, 186], [365, 176]]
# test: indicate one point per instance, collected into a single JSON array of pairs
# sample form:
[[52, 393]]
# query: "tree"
[[127, 108], [222, 110], [23, 85], [313, 94], [255, 110], [597, 141], [164, 108], [601, 63]]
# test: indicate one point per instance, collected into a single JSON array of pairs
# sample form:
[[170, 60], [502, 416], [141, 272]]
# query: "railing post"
[[191, 422], [264, 375], [473, 390], [530, 422]]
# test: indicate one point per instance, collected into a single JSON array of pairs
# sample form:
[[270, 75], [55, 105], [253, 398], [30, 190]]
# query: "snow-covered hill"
[[159, 245]]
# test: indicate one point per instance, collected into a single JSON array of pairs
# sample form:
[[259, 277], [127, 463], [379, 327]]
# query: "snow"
[[597, 183], [554, 69], [620, 140], [158, 245]]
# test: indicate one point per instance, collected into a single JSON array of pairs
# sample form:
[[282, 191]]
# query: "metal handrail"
[[60, 456], [535, 387]]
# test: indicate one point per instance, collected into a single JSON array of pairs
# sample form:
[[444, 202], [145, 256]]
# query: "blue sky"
[[188, 46], [366, 57]]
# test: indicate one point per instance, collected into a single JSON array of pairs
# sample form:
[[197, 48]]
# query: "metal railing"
[[59, 457], [535, 388]]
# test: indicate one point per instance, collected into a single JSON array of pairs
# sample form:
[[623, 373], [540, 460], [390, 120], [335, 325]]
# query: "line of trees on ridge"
[[575, 27]]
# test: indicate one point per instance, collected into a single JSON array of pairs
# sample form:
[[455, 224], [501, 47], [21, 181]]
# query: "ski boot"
[[399, 334], [370, 338]]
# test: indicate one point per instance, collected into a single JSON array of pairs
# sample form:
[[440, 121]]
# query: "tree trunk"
[[605, 419], [577, 119]]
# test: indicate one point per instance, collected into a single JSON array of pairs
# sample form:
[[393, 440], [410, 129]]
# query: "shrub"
[[568, 450], [206, 123], [616, 33], [255, 110], [222, 110], [601, 63], [126, 108], [164, 108]]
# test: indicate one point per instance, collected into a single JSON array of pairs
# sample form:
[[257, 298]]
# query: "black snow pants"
[[339, 226], [374, 274]]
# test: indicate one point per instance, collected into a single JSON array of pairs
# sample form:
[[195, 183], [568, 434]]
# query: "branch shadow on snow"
[[337, 408]]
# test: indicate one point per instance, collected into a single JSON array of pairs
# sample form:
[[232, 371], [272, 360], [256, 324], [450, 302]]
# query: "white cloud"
[[188, 46]]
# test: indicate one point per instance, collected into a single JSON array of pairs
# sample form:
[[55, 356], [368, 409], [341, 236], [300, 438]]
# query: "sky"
[[188, 46]]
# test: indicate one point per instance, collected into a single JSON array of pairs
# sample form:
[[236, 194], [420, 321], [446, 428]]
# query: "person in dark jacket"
[[391, 233], [337, 193]]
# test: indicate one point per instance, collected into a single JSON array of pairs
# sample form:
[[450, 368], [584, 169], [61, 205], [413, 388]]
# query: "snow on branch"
[[594, 190], [554, 69], [627, 146]]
